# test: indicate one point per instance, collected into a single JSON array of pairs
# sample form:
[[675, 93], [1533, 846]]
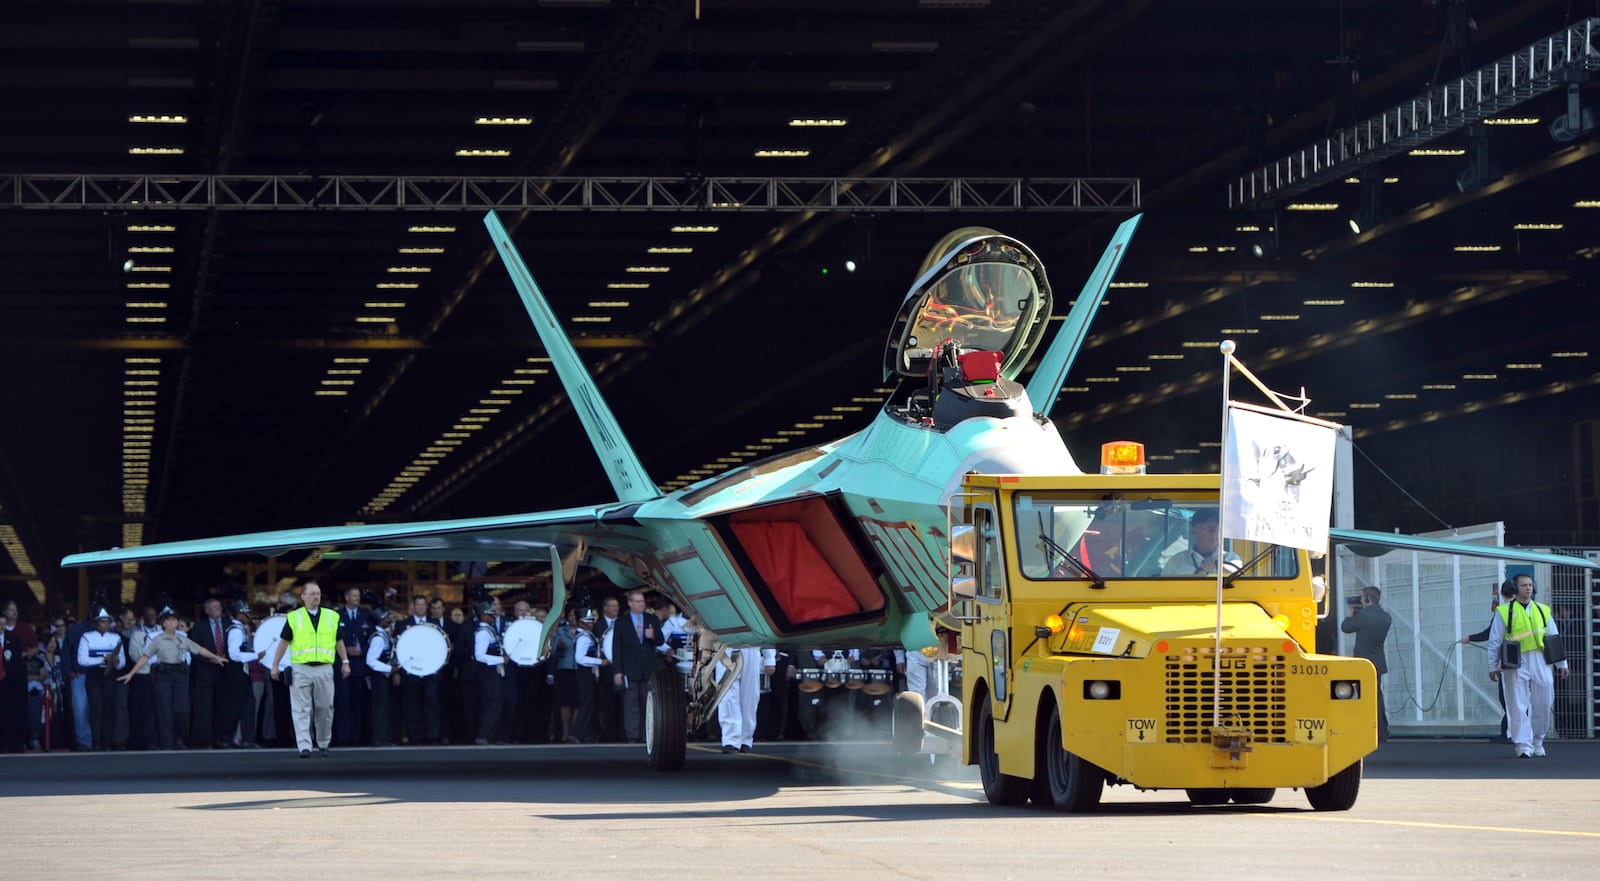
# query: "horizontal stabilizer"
[[1444, 546], [622, 464], [1051, 373]]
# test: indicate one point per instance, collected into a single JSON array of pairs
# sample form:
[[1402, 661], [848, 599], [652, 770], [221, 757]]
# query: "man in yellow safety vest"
[[312, 636], [1530, 686]]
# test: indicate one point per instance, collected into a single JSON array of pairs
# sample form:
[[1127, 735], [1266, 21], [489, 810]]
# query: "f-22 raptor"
[[839, 544]]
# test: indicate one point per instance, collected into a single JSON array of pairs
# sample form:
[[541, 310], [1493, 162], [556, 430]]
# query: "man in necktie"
[[207, 716], [636, 663]]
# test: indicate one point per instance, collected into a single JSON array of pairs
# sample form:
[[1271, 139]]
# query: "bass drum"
[[422, 649], [879, 682], [267, 636], [521, 641], [809, 679]]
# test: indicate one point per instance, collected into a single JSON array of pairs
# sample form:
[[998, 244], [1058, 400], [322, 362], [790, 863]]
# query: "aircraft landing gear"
[[666, 721]]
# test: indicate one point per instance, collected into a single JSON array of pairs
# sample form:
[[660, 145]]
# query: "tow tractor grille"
[[1252, 694]]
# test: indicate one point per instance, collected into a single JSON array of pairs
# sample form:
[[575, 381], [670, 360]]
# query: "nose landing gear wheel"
[[666, 721]]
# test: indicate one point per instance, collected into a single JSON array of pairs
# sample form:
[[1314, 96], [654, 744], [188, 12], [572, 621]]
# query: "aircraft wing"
[[1445, 546], [507, 537]]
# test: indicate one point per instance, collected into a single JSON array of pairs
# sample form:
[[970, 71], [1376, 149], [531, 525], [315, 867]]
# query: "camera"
[[1353, 601]]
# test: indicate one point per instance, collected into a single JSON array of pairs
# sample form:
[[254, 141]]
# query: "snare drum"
[[855, 679], [422, 649], [521, 641], [835, 670], [266, 638], [809, 679], [879, 682]]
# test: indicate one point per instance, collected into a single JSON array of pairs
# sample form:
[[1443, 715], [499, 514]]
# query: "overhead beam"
[[339, 193], [1531, 71], [233, 344]]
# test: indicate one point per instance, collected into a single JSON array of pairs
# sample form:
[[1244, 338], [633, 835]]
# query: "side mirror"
[[963, 544], [963, 586]]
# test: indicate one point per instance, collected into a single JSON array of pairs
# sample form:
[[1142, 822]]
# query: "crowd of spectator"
[[143, 677]]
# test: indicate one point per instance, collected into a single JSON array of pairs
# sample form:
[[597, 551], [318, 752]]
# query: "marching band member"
[[491, 657], [382, 675], [237, 691], [586, 656]]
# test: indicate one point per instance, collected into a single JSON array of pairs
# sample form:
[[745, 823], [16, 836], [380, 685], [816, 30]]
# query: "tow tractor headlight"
[[1346, 689], [1102, 690]]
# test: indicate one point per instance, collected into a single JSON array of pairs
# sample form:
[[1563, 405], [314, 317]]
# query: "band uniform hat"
[[587, 615], [485, 607], [238, 607], [101, 614]]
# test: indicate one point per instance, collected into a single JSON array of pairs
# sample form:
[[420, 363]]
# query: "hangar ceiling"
[[261, 367]]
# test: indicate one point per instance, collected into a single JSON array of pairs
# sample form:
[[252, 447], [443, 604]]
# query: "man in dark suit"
[[208, 716], [638, 633], [420, 694], [350, 695]]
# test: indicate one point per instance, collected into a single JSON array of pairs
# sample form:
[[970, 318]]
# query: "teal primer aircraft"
[[838, 544]]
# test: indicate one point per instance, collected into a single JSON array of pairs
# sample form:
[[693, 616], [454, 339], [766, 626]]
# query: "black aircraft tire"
[[1072, 784], [998, 788], [1339, 793], [1252, 796], [908, 723], [1207, 797], [666, 736]]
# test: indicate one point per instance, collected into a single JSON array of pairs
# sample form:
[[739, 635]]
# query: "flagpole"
[[1227, 348]]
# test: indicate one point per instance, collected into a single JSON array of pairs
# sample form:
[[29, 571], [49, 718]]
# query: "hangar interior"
[[242, 290]]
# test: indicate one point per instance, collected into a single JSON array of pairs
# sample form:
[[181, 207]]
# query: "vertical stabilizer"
[[622, 464], [1048, 377]]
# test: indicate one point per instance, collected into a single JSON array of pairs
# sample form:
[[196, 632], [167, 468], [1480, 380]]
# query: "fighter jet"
[[839, 544]]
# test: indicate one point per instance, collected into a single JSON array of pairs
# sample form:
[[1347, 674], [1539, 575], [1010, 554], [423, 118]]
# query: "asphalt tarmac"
[[820, 812]]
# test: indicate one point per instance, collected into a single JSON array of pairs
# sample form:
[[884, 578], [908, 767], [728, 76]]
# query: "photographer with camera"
[[1366, 618], [1525, 646]]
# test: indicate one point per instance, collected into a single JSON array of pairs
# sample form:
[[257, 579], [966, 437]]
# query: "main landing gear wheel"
[[1062, 779], [907, 722], [1252, 796], [1207, 797], [998, 788], [1339, 793], [666, 721]]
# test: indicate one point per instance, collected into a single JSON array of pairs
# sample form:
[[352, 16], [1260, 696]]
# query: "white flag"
[[1277, 478]]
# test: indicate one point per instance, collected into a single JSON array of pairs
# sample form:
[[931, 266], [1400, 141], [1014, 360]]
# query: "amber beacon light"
[[1122, 457]]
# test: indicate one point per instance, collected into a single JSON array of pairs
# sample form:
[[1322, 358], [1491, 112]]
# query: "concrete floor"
[[1428, 810]]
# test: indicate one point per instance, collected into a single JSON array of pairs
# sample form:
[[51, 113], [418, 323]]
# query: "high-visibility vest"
[[1520, 627], [313, 645]]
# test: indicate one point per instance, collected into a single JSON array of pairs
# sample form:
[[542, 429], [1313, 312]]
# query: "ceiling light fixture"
[[818, 123], [431, 229], [503, 120], [782, 154], [155, 151], [695, 229], [1312, 206], [483, 152], [1439, 151]]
